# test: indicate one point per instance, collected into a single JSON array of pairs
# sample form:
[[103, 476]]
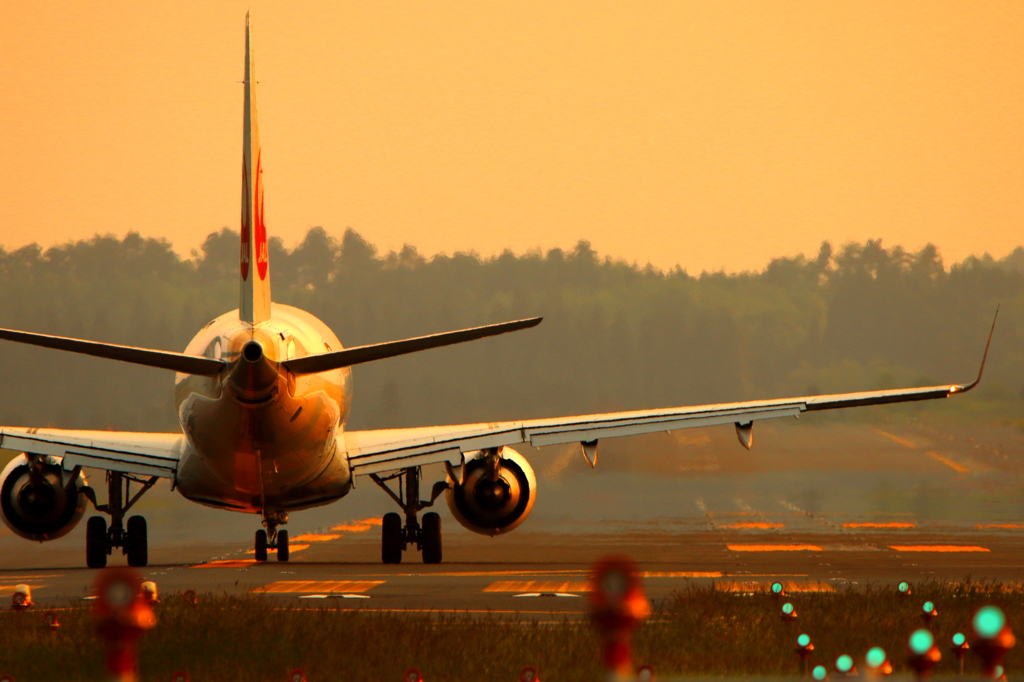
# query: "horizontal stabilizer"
[[354, 356], [179, 362]]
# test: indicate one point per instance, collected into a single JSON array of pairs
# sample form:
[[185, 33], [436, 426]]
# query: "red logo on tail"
[[262, 255]]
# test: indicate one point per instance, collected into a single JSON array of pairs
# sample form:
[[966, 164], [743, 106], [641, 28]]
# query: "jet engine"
[[496, 492], [39, 500]]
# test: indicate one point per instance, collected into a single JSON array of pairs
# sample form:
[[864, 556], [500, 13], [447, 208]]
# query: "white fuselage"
[[268, 445]]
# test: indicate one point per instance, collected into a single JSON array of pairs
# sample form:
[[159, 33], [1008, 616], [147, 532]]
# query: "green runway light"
[[921, 641], [928, 607], [844, 663], [787, 608], [819, 673], [959, 639], [803, 640], [988, 621], [776, 588], [903, 587], [875, 657]]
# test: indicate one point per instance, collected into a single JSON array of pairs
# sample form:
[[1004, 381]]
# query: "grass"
[[699, 632]]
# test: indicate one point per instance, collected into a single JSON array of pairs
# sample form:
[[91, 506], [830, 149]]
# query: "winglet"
[[254, 264], [984, 357]]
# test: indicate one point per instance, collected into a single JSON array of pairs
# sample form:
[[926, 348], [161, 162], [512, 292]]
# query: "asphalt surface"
[[538, 573]]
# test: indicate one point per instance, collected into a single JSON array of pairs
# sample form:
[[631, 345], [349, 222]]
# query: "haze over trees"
[[615, 336]]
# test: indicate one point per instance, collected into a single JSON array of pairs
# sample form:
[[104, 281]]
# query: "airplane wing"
[[148, 454], [387, 450], [371, 452]]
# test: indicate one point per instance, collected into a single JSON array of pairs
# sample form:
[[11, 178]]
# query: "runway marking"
[[226, 563], [359, 526], [939, 548], [890, 524], [999, 525], [790, 586], [314, 537], [959, 468], [485, 611], [9, 589], [902, 441], [763, 525], [328, 586], [291, 548], [537, 586], [30, 577], [774, 548], [682, 574], [459, 574]]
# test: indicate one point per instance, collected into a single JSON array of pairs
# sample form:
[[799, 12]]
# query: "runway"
[[550, 575]]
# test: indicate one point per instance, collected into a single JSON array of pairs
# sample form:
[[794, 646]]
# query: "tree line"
[[616, 336]]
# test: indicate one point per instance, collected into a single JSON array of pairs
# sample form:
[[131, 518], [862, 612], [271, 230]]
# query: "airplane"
[[263, 394]]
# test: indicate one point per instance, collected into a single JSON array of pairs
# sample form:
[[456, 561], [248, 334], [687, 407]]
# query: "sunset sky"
[[710, 135]]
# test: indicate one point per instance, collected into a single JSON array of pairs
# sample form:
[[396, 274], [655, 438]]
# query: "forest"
[[615, 336]]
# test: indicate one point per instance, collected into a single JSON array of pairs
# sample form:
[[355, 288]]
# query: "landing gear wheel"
[[96, 542], [282, 545], [430, 541], [391, 539], [137, 543], [261, 545]]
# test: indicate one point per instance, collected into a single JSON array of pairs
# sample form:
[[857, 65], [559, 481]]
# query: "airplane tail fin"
[[254, 306]]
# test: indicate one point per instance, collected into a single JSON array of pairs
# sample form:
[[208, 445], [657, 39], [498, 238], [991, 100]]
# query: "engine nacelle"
[[41, 505], [496, 494]]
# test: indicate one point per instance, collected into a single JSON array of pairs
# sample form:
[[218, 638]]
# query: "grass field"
[[700, 632]]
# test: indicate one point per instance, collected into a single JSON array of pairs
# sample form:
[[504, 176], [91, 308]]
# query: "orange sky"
[[712, 135]]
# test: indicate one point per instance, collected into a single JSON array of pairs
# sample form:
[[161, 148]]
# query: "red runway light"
[[50, 618], [22, 598], [528, 674]]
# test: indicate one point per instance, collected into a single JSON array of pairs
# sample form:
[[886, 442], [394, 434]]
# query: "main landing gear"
[[100, 541], [394, 537], [272, 538]]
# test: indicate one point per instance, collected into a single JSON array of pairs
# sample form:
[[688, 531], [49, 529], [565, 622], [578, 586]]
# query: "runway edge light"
[[993, 639], [528, 674], [121, 616], [22, 598], [645, 673], [928, 613], [804, 647], [923, 655], [617, 605], [959, 648], [50, 619], [876, 662]]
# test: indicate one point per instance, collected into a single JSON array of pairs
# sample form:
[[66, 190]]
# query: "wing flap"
[[150, 454]]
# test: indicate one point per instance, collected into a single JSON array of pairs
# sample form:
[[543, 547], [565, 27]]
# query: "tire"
[[391, 539], [431, 539], [137, 542], [282, 545], [96, 542], [261, 545]]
